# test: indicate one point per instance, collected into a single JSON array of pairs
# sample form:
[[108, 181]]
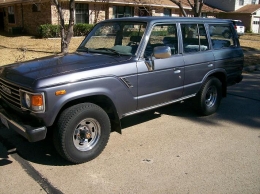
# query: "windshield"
[[121, 38]]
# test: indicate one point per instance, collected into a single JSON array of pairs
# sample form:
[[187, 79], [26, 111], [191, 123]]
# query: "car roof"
[[153, 19]]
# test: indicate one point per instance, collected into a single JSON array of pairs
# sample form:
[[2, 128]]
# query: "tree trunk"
[[179, 4], [66, 35], [196, 7]]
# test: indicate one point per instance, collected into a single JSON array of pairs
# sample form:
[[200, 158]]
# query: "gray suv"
[[123, 67]]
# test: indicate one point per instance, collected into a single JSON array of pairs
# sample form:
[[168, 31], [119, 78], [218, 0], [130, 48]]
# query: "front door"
[[164, 83]]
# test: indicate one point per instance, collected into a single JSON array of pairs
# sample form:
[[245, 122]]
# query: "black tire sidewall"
[[203, 108], [74, 117]]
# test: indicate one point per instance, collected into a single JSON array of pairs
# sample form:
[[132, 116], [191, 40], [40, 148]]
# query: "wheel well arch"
[[222, 77], [104, 102]]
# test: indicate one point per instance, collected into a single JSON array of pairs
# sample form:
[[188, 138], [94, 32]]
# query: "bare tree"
[[196, 6], [66, 33], [145, 7]]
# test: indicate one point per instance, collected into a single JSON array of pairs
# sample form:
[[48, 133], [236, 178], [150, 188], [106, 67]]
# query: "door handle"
[[210, 65], [177, 71]]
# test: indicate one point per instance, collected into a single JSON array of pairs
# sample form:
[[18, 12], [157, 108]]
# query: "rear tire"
[[209, 97], [82, 132]]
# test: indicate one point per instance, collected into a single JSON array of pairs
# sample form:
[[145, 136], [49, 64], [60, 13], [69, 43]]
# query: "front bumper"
[[13, 121]]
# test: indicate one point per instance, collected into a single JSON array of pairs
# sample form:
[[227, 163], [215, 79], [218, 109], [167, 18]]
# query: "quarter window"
[[194, 38], [221, 36], [241, 2]]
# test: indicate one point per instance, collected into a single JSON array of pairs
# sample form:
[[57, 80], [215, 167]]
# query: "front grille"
[[10, 93]]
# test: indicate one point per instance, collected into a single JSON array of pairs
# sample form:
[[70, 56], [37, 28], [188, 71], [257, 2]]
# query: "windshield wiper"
[[109, 49], [82, 49]]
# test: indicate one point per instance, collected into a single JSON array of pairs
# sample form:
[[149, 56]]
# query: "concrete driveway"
[[168, 150]]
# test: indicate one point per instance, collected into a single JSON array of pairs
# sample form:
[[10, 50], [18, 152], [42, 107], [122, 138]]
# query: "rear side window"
[[221, 36], [194, 38]]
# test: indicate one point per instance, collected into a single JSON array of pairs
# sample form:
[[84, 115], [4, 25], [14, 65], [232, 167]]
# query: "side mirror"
[[162, 52]]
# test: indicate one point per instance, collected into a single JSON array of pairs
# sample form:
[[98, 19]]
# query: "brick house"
[[27, 15]]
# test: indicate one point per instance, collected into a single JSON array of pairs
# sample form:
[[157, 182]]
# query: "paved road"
[[169, 150]]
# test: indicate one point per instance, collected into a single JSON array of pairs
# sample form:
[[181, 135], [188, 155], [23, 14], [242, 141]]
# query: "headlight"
[[32, 101], [27, 99]]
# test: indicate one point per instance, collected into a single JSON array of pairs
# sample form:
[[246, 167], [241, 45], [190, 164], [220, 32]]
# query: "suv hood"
[[27, 73]]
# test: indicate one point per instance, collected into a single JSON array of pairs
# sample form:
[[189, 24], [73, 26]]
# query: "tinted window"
[[221, 36], [194, 38], [163, 35]]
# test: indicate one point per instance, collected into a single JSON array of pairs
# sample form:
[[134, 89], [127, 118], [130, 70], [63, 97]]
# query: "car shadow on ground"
[[44, 152], [241, 106]]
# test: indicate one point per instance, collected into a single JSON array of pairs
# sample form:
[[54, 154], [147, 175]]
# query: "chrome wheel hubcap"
[[86, 134], [211, 96]]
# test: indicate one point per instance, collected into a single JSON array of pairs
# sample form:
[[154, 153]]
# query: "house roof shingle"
[[205, 8], [248, 8], [156, 3]]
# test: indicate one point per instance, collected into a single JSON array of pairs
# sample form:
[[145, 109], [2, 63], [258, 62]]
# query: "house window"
[[123, 11], [36, 7], [204, 15], [81, 13], [253, 2], [144, 12], [11, 18], [167, 12], [241, 2]]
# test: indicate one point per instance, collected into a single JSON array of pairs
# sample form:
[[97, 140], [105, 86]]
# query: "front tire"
[[82, 132], [209, 97]]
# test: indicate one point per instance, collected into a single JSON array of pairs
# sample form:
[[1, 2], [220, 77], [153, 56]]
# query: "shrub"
[[53, 31], [49, 31], [82, 29]]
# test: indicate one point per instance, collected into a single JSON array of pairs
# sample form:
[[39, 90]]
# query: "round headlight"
[[27, 100]]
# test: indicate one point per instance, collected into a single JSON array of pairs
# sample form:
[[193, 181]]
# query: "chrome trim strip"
[[157, 106]]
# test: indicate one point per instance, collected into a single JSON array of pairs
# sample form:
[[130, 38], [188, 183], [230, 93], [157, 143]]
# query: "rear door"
[[198, 58]]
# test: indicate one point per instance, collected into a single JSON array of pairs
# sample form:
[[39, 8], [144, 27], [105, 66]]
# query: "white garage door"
[[256, 25]]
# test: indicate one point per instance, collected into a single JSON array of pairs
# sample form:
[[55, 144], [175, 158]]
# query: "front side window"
[[221, 36], [11, 17], [163, 35], [194, 38], [81, 13], [253, 1], [123, 11], [115, 38]]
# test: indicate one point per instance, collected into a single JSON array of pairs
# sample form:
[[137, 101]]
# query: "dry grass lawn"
[[23, 48]]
